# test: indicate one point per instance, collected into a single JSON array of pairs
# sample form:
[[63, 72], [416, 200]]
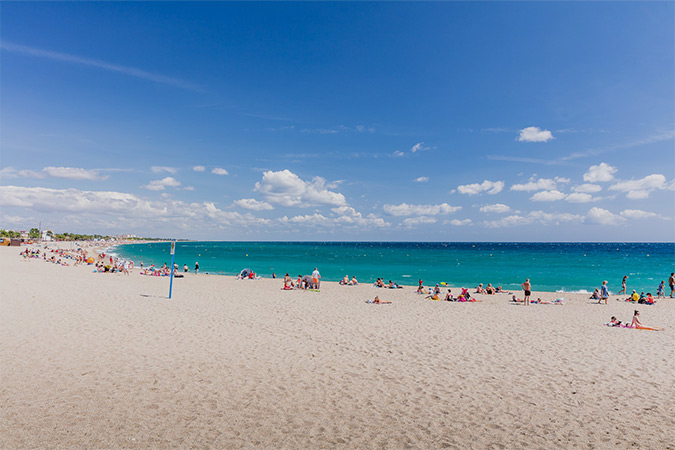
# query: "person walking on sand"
[[316, 278], [671, 283], [661, 290], [604, 293], [527, 287], [197, 267], [623, 285]]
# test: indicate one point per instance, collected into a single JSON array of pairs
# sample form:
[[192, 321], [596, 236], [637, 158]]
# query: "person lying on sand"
[[613, 322], [377, 301], [434, 296]]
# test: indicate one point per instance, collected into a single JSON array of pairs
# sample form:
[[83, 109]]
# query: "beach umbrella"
[[245, 273]]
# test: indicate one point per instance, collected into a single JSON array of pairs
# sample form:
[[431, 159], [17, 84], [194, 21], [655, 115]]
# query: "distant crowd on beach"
[[112, 264], [56, 256]]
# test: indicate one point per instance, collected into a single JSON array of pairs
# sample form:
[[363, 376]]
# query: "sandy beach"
[[92, 360]]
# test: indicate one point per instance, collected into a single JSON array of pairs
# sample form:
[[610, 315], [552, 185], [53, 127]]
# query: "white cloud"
[[587, 188], [253, 204], [345, 216], [490, 187], [405, 209], [534, 217], [160, 169], [422, 179], [364, 129], [603, 217], [600, 173], [348, 216], [398, 153], [637, 189], [457, 222], [538, 185], [309, 219], [637, 214], [419, 147], [160, 185], [126, 70], [547, 196], [219, 171], [422, 220], [534, 134], [581, 197], [70, 173], [287, 189], [113, 204], [73, 173], [498, 208], [199, 168]]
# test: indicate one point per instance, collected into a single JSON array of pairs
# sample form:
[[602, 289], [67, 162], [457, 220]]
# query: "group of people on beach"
[[312, 282], [56, 256], [635, 323], [602, 294], [347, 282], [490, 289]]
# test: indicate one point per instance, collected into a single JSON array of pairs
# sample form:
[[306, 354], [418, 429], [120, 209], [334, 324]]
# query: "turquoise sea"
[[564, 267]]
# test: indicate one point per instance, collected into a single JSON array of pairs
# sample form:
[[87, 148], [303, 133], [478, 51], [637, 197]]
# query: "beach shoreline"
[[108, 361]]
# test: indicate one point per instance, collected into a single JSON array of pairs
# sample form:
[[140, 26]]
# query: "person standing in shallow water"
[[623, 285], [527, 287], [197, 267]]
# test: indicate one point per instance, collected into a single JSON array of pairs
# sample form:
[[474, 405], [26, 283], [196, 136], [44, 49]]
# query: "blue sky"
[[534, 121]]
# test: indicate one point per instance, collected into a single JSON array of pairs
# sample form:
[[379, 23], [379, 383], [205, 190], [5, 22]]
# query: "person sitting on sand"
[[353, 281], [490, 289], [596, 294], [433, 296], [479, 289], [636, 320], [345, 280], [635, 296], [649, 300], [448, 296]]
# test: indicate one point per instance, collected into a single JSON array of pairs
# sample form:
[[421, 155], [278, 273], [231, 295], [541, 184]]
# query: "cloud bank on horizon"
[[333, 144]]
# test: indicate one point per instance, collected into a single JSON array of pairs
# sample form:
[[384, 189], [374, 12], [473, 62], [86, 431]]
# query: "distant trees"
[[9, 234], [34, 233]]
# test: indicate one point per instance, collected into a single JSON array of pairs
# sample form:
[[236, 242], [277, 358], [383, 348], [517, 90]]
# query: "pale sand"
[[107, 361]]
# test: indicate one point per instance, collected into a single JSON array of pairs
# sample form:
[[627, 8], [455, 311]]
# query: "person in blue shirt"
[[604, 293]]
